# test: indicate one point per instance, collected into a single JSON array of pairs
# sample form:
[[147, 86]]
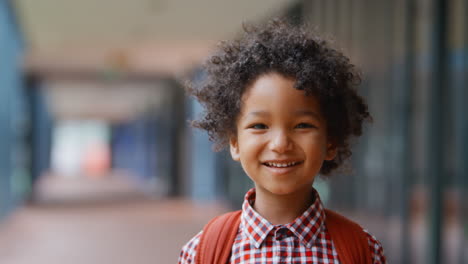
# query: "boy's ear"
[[234, 148], [331, 151]]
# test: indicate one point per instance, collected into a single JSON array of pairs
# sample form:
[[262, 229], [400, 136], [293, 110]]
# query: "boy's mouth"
[[277, 164]]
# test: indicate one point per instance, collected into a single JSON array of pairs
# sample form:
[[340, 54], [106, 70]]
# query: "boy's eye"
[[258, 126], [305, 125]]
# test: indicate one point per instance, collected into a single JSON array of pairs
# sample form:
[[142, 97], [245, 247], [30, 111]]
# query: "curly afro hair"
[[293, 52]]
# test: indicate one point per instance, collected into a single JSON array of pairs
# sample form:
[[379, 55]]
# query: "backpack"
[[218, 236]]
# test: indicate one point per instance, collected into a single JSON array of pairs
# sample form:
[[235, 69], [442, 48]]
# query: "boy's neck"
[[282, 209]]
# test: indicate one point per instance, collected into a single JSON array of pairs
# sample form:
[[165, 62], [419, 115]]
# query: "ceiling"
[[145, 35]]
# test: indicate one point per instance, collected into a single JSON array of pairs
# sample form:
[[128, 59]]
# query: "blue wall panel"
[[13, 113]]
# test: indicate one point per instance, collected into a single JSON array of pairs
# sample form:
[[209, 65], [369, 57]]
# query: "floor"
[[129, 229]]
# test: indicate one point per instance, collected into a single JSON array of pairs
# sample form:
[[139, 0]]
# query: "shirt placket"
[[283, 246]]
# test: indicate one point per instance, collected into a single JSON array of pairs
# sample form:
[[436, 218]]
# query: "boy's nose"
[[280, 142]]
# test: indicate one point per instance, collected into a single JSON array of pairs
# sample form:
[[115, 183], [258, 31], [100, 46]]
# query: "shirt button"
[[280, 233]]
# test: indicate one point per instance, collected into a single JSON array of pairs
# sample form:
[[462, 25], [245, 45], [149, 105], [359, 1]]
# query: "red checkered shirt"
[[305, 240]]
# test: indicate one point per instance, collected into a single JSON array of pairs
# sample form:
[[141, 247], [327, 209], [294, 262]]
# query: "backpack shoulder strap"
[[217, 239], [351, 242]]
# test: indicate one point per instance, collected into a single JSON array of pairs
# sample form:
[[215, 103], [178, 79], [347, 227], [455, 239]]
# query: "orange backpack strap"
[[217, 239], [350, 240]]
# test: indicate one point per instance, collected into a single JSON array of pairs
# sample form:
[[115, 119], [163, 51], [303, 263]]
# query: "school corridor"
[[99, 163]]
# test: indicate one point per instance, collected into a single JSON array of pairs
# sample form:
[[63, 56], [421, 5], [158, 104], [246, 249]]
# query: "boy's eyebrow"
[[258, 113]]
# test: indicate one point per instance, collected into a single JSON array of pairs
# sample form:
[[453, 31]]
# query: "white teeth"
[[280, 165]]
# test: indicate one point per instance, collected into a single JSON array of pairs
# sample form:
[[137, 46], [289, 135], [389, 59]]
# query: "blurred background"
[[98, 163]]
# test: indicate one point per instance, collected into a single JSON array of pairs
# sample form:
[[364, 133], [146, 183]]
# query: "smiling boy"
[[286, 104]]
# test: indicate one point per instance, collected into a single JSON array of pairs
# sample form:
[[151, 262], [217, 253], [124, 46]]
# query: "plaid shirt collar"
[[306, 227]]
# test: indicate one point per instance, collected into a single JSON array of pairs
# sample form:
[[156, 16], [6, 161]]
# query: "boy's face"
[[281, 138]]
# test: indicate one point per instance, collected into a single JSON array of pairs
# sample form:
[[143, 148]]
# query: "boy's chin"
[[283, 190]]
